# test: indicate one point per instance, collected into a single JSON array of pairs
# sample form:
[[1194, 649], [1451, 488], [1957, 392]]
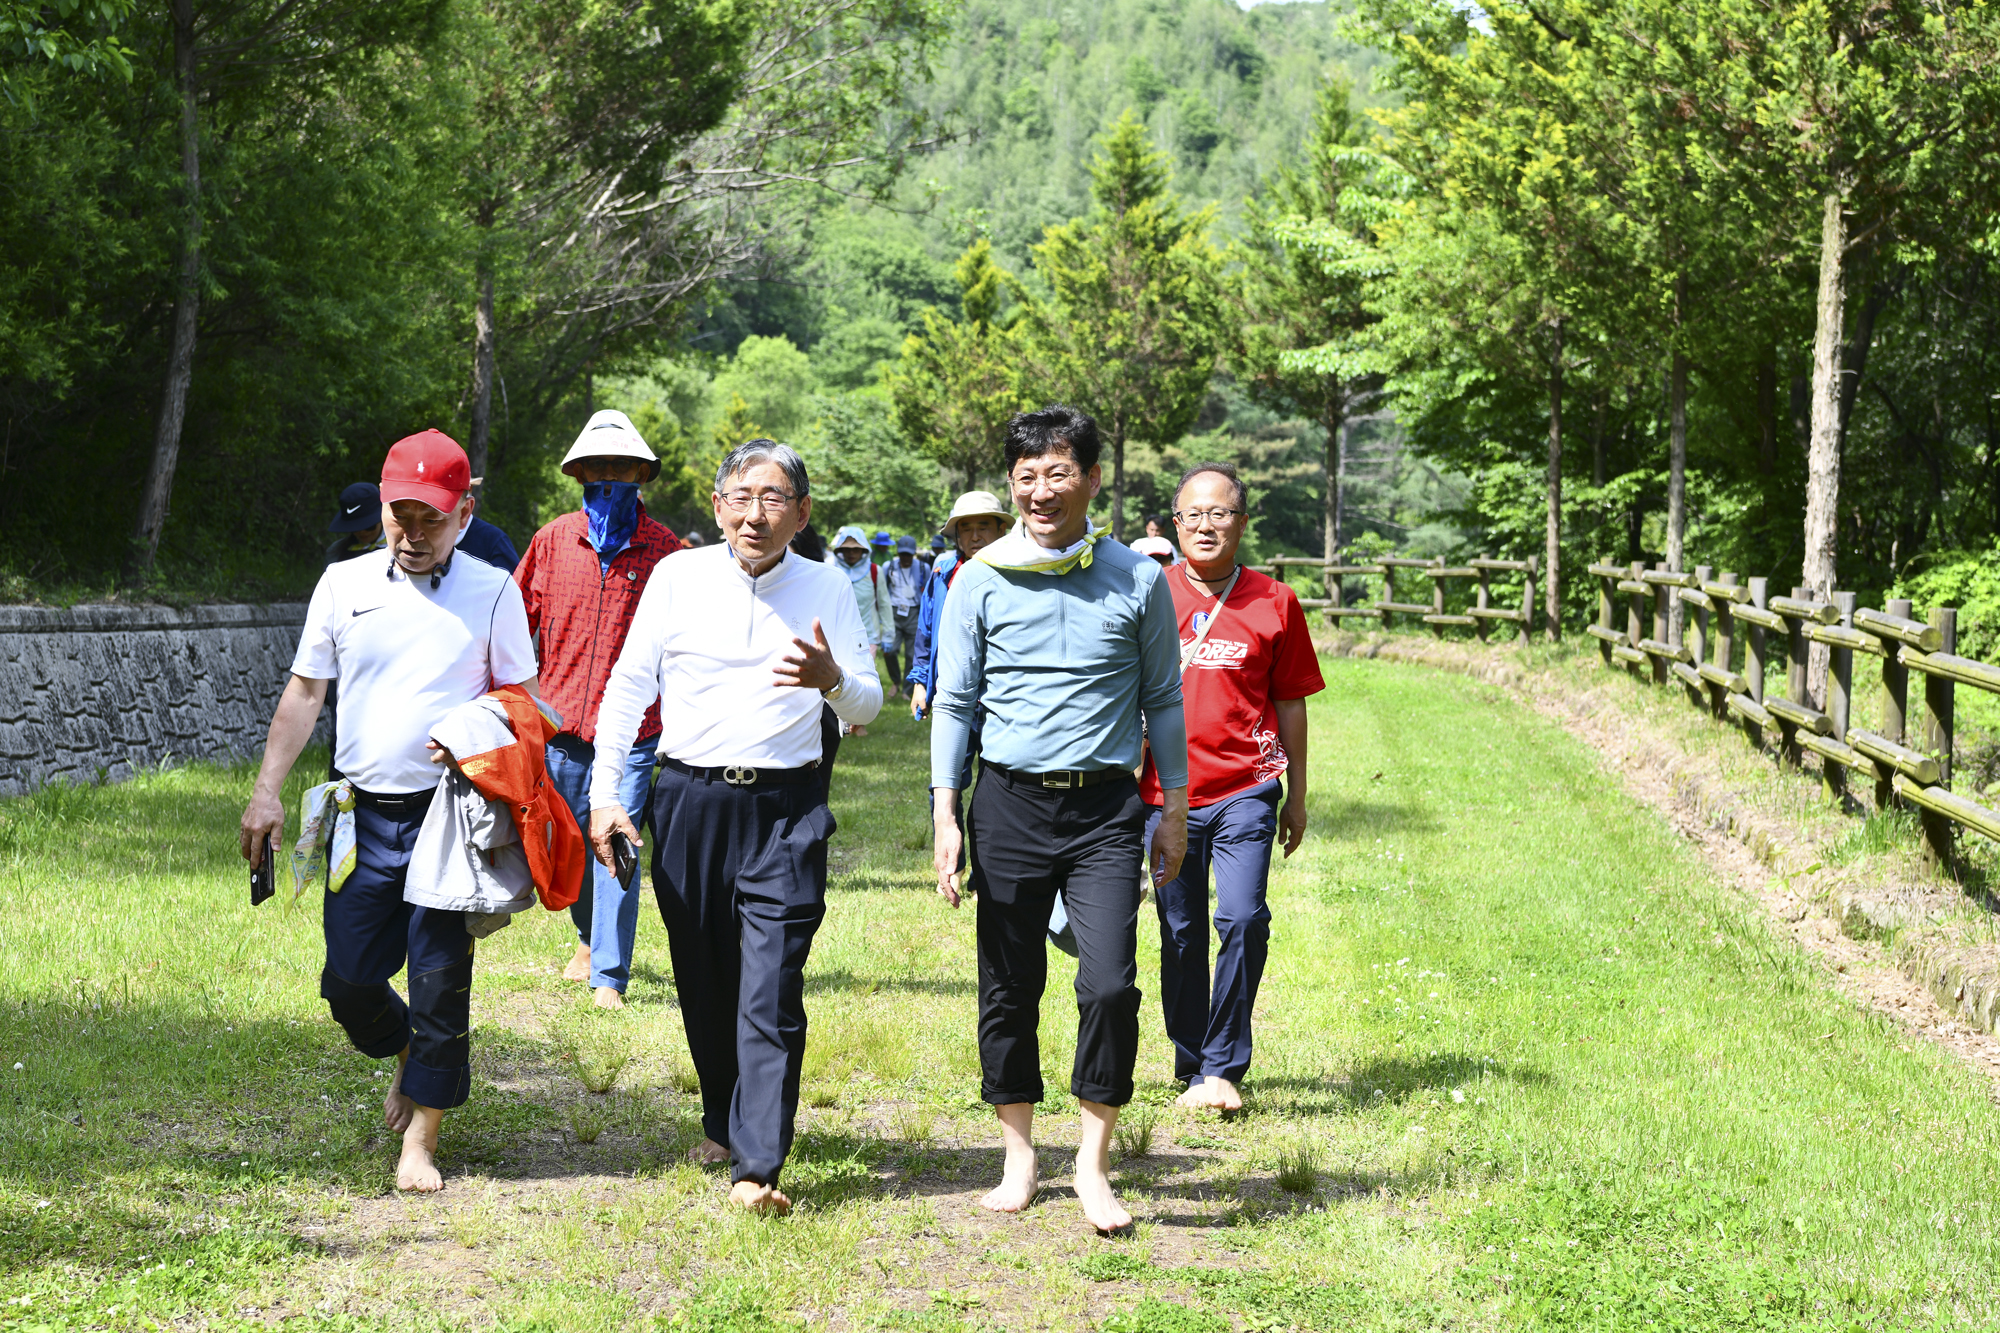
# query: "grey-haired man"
[[739, 642]]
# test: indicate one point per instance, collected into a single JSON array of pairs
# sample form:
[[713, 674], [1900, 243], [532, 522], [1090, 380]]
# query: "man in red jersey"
[[1247, 665], [580, 580]]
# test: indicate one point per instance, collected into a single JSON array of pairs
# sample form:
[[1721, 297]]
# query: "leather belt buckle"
[[739, 775], [1063, 779]]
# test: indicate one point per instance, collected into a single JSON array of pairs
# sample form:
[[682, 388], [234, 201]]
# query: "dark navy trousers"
[[1232, 838], [740, 874], [370, 934]]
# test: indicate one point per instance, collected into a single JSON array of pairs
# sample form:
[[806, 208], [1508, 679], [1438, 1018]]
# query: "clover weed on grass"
[[1544, 1071]]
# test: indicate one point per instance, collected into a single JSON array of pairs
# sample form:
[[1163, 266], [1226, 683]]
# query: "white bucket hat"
[[851, 533], [610, 434], [976, 504]]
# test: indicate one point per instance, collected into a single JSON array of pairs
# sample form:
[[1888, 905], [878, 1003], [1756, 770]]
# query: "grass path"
[[1521, 1062]]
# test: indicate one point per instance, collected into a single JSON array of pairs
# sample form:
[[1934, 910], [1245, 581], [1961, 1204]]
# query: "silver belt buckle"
[[739, 775], [1062, 779]]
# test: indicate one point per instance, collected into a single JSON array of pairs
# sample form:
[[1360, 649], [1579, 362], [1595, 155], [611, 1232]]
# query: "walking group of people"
[[1132, 724]]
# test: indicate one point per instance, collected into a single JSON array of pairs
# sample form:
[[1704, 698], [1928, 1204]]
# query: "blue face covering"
[[613, 510]]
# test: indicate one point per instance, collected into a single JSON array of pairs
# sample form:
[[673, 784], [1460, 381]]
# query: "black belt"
[[744, 775], [396, 805], [1062, 779]]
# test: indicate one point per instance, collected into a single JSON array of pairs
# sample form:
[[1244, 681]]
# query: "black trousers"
[[740, 874], [1029, 843]]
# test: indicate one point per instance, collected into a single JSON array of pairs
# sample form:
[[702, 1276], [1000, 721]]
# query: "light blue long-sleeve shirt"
[[1064, 664]]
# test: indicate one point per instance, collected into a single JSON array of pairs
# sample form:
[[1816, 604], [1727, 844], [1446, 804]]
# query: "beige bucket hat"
[[976, 504], [610, 434]]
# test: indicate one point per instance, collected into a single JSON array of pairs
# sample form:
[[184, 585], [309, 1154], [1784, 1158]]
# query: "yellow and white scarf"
[[325, 850], [1018, 551]]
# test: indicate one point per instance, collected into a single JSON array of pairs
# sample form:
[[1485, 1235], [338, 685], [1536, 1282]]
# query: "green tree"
[[252, 47], [958, 382], [1135, 318], [1310, 269], [1511, 258]]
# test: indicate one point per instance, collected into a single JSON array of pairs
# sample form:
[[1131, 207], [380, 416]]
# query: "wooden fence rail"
[[1716, 650], [1479, 617], [1723, 612]]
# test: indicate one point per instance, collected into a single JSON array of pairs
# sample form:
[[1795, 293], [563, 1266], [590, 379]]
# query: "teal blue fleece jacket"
[[1064, 665]]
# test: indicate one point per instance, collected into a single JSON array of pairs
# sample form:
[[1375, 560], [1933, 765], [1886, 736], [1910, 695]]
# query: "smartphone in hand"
[[264, 875], [624, 857]]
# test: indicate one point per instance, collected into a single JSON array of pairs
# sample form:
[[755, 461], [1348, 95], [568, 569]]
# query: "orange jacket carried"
[[518, 775]]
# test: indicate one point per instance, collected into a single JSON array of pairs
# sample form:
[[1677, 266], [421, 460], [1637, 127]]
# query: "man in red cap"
[[581, 581], [411, 631]]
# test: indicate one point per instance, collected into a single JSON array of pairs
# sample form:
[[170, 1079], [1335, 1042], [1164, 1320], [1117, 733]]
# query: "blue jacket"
[[923, 656]]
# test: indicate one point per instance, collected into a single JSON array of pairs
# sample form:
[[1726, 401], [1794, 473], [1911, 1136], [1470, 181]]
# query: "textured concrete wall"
[[96, 691]]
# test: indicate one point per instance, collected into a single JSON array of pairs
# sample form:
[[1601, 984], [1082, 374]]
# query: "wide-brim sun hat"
[[975, 504], [1155, 546], [610, 434], [845, 535]]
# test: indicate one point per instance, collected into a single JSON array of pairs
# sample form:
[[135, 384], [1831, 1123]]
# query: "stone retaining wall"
[[95, 692]]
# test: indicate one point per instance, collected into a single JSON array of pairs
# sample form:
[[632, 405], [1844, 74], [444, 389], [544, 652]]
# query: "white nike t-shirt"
[[405, 656]]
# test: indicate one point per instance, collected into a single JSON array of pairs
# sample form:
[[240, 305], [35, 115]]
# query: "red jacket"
[[580, 612], [517, 775]]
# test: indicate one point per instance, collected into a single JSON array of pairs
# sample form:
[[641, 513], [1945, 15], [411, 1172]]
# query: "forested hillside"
[[1026, 89]]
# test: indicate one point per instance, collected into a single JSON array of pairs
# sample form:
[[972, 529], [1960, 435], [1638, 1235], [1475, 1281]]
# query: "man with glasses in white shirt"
[[740, 643]]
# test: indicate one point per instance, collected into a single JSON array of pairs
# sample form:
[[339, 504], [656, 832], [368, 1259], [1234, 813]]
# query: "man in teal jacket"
[[1066, 639]]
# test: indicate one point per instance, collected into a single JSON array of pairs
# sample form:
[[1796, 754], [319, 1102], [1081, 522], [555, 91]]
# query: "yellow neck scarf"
[[1018, 551]]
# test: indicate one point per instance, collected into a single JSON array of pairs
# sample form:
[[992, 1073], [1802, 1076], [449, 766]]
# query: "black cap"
[[360, 508]]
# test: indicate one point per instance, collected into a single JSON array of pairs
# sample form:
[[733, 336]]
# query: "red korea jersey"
[[1259, 651]]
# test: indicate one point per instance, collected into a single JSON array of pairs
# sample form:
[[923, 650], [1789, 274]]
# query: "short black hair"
[[1225, 470], [1032, 434]]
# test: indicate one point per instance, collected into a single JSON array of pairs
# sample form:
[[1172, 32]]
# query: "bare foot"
[[397, 1109], [759, 1198], [1211, 1093], [607, 997], [1100, 1203], [1197, 1095], [579, 965], [1018, 1185], [708, 1153], [417, 1171]]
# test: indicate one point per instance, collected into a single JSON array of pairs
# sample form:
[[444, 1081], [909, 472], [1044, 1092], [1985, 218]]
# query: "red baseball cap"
[[428, 466]]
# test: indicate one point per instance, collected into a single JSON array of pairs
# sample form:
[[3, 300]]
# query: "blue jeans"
[[606, 912], [1231, 838]]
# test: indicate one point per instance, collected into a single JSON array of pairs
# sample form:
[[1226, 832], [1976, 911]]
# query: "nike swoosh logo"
[[364, 611], [355, 510]]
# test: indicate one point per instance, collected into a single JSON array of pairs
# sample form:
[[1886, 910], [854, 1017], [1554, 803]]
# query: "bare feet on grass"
[[579, 965], [1100, 1202], [607, 997], [417, 1171], [756, 1198], [1018, 1179], [397, 1108], [1017, 1188], [1093, 1171], [1211, 1093], [708, 1153]]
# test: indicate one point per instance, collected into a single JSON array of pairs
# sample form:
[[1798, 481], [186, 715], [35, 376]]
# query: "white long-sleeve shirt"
[[706, 641]]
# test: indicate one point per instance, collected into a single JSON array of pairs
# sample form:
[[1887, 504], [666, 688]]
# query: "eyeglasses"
[[743, 501], [1192, 518], [1057, 477]]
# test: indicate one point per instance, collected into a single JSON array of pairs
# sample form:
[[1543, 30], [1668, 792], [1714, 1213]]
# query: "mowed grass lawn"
[[1521, 1063]]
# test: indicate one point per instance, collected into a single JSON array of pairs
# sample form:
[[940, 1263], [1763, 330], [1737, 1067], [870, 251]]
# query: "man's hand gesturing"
[[811, 666]]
